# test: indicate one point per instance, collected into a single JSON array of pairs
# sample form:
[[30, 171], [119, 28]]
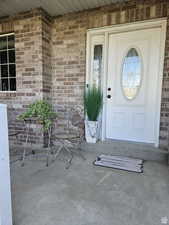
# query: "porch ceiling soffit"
[[53, 7]]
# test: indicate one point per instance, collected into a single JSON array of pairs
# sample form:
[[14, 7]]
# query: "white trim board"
[[7, 34], [5, 185], [105, 32], [139, 25]]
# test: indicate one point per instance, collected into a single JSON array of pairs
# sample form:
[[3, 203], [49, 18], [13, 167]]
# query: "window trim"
[[8, 34], [9, 91]]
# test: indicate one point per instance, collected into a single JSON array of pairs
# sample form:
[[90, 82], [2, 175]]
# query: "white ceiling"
[[53, 7]]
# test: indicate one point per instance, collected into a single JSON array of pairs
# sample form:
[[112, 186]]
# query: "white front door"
[[132, 85]]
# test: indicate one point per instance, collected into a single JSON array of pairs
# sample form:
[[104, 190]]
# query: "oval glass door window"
[[131, 74]]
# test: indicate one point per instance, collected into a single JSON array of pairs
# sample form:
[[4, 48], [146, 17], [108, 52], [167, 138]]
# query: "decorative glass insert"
[[7, 63], [131, 74], [97, 65]]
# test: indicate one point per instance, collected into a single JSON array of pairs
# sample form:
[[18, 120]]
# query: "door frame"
[[114, 29]]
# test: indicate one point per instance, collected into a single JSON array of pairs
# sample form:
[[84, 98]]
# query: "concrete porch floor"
[[89, 195]]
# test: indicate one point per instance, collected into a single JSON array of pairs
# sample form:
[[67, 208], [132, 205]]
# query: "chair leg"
[[71, 157], [47, 157], [69, 162], [24, 152], [23, 157], [49, 147], [58, 152], [63, 146], [79, 153]]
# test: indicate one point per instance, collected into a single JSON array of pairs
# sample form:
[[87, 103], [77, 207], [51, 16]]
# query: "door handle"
[[108, 96]]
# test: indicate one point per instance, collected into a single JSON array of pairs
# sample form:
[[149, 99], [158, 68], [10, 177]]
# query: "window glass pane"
[[131, 74], [3, 43], [11, 41], [7, 63], [3, 57], [4, 84], [12, 71], [4, 70], [12, 84], [97, 65], [11, 56]]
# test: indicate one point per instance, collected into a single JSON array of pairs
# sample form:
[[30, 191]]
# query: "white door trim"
[[106, 31]]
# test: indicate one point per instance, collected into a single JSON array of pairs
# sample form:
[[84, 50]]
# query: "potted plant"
[[42, 112], [93, 102]]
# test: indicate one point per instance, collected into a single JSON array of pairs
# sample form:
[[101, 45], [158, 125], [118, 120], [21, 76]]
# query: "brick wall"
[[46, 56], [32, 65], [68, 50], [68, 63], [50, 54]]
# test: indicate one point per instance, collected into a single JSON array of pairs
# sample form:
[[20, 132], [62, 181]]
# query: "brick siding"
[[29, 61], [51, 52]]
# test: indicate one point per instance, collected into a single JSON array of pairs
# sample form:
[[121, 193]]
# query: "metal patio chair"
[[71, 140]]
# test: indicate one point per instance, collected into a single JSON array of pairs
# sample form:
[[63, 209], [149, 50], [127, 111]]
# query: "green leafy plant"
[[42, 111], [93, 102]]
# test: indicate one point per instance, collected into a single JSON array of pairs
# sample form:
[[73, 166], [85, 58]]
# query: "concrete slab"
[[126, 148], [89, 195]]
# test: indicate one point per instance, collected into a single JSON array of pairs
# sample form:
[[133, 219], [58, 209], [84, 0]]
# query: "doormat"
[[120, 162]]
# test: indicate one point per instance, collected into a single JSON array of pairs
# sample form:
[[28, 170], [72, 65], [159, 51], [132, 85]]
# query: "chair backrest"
[[76, 120]]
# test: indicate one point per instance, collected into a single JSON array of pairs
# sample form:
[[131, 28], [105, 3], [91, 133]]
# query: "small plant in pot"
[[41, 111], [93, 102]]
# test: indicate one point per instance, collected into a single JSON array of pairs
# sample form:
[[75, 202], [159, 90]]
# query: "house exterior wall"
[[69, 44], [32, 66], [46, 56], [51, 55]]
